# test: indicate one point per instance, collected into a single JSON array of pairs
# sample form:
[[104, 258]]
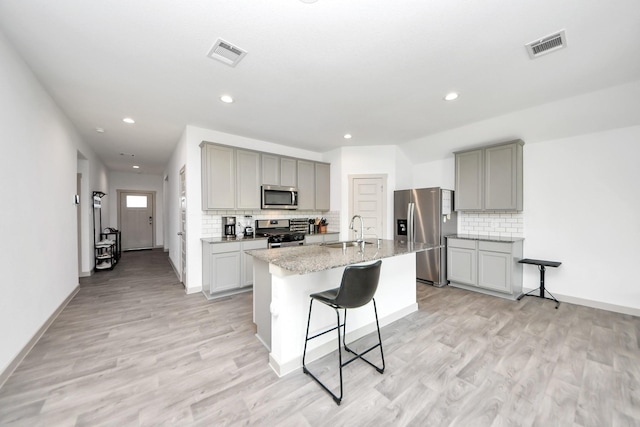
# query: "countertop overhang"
[[312, 258]]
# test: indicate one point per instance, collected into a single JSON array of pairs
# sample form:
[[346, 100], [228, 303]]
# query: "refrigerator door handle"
[[411, 232], [408, 221]]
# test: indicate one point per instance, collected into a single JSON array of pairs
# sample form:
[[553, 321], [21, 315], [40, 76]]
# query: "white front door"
[[368, 197], [136, 218]]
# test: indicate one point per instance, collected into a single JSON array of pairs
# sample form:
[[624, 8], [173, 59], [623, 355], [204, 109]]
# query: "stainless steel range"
[[279, 233]]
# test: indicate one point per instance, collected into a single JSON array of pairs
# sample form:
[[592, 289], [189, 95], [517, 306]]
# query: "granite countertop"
[[486, 238], [311, 258]]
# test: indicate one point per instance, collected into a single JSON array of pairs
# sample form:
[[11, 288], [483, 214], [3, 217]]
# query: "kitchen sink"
[[347, 243]]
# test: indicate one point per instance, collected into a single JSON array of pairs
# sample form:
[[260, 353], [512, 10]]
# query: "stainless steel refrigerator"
[[426, 215]]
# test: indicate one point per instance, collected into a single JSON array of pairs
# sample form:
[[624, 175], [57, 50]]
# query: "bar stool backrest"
[[359, 285]]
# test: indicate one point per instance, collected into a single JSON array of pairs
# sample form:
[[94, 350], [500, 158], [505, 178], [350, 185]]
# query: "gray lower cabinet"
[[462, 260], [486, 266], [247, 260], [226, 269], [490, 178]]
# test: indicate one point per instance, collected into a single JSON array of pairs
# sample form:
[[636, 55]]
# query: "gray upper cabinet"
[[278, 170], [270, 169], [490, 178], [288, 172], [306, 185], [248, 179], [322, 184], [503, 177], [469, 180], [231, 178], [218, 177]]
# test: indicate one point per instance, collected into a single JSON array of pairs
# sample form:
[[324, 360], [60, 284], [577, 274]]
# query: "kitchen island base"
[[281, 304]]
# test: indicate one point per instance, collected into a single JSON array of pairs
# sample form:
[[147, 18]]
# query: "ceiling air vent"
[[225, 52], [548, 44]]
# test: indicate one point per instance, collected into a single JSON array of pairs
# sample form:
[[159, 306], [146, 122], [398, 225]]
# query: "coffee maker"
[[229, 226]]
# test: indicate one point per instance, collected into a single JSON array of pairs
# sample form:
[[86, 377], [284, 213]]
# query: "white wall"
[[581, 202], [140, 182], [437, 173], [38, 166]]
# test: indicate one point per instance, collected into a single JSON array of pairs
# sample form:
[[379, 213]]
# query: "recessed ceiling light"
[[347, 136], [226, 99], [100, 130], [136, 167], [128, 120], [451, 96]]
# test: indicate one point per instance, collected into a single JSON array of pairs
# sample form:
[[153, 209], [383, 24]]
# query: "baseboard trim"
[[594, 304], [4, 375]]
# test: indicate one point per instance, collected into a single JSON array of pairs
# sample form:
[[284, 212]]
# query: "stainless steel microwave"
[[277, 197]]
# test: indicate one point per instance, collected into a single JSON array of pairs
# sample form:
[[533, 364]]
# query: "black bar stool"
[[358, 286]]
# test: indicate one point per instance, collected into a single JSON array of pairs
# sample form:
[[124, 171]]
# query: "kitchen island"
[[285, 277]]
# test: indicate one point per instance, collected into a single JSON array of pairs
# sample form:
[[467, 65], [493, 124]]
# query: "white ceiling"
[[377, 69]]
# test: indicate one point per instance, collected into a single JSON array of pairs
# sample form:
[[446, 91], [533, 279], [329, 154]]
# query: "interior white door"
[[368, 197], [136, 220], [183, 227]]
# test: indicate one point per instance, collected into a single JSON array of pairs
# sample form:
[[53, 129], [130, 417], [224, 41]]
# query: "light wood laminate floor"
[[132, 349]]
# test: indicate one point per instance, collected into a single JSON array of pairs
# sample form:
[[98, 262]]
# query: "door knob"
[[180, 233]]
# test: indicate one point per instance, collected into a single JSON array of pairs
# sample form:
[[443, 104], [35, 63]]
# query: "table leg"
[[542, 269]]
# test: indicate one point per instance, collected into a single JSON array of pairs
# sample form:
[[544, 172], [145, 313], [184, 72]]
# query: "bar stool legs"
[[338, 398]]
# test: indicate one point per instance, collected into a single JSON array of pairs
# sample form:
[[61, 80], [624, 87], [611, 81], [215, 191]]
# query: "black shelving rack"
[[106, 251], [115, 235]]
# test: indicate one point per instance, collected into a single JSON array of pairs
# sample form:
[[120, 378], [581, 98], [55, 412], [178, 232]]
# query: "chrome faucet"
[[361, 239]]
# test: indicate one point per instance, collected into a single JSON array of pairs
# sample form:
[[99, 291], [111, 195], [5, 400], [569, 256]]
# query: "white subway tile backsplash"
[[502, 224], [212, 221]]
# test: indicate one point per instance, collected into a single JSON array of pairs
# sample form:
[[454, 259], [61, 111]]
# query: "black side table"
[[542, 266]]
